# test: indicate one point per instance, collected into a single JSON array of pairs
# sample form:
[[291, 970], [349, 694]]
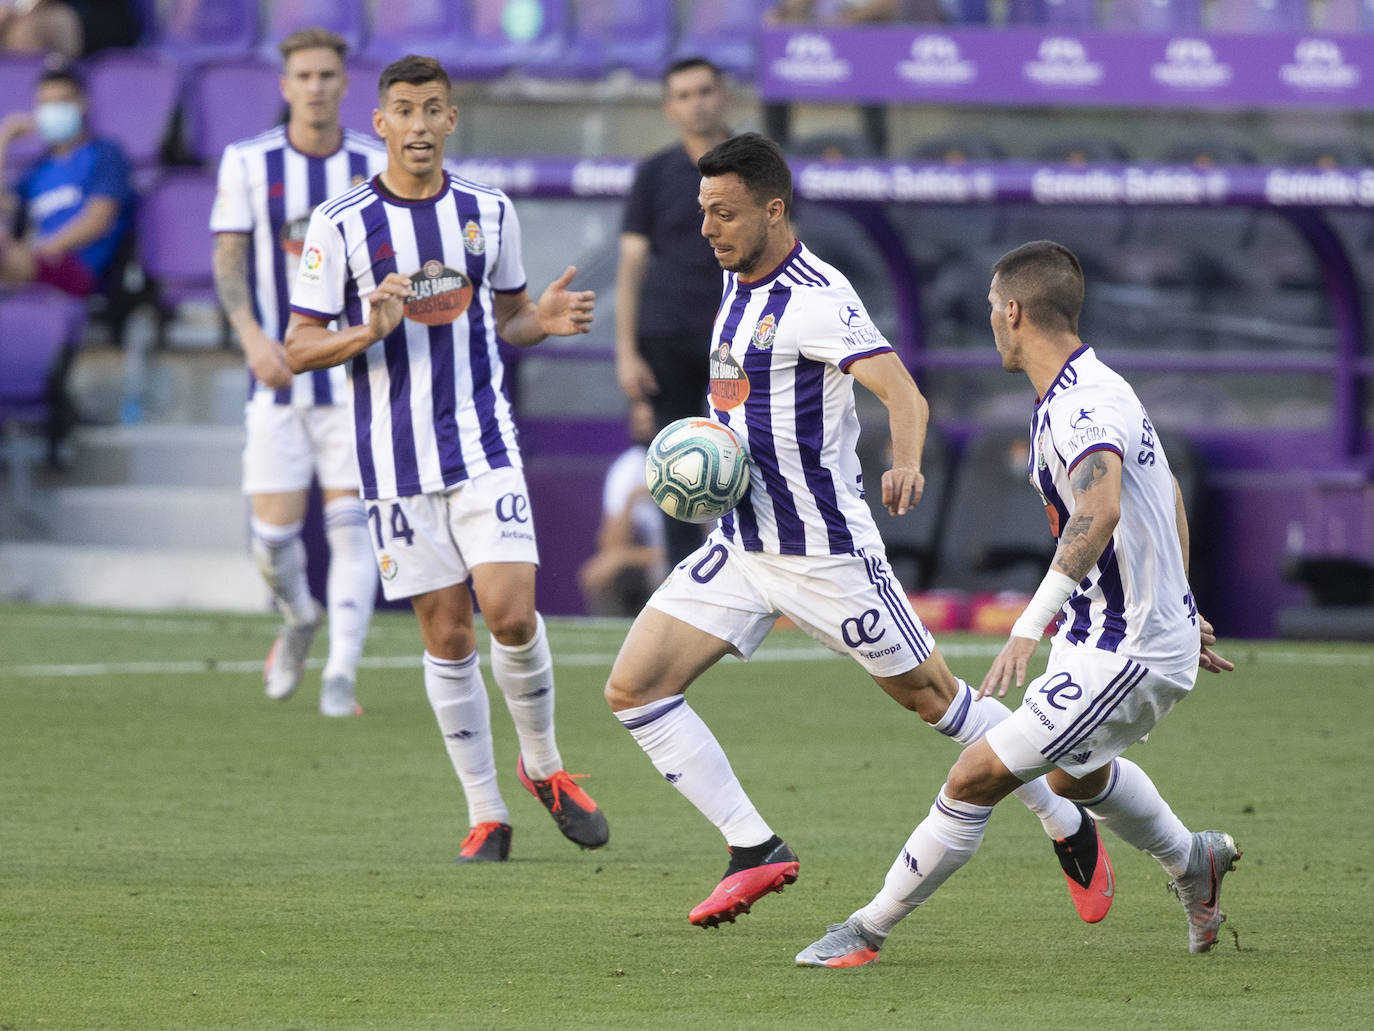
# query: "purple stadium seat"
[[232, 100], [37, 323], [361, 99], [1155, 16], [1344, 16], [346, 17], [18, 76], [414, 26], [610, 34], [725, 32], [475, 39], [1259, 16], [1077, 14], [200, 30], [132, 95], [965, 12], [174, 237]]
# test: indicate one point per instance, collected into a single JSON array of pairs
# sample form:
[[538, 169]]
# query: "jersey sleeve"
[[232, 211], [508, 274], [838, 330], [322, 271], [1082, 423]]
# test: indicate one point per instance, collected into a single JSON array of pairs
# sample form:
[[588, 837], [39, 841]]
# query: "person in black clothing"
[[668, 283], [69, 28]]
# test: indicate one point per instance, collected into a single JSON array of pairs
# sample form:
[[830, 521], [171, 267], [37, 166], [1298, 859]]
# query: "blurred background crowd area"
[[1228, 310]]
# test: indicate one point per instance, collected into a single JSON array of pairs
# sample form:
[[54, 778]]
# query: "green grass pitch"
[[178, 852]]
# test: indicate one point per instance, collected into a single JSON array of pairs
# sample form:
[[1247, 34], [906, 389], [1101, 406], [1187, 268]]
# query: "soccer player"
[[1128, 647], [297, 426], [424, 270], [790, 338]]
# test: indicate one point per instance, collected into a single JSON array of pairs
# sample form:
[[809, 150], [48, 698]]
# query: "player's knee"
[[512, 626], [978, 777]]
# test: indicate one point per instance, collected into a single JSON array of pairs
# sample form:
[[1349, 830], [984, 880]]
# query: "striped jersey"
[[1135, 601], [429, 406], [780, 352], [268, 189]]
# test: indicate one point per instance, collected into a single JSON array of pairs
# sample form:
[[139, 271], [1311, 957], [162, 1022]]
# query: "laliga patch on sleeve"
[[312, 264]]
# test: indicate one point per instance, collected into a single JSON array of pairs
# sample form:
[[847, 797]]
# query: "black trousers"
[[679, 363]]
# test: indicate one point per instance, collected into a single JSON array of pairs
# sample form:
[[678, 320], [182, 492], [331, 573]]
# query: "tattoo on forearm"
[[1077, 552], [231, 283]]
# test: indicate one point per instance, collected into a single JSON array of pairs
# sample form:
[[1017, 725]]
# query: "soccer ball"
[[697, 469]]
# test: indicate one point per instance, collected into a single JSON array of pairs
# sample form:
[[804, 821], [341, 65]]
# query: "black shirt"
[[682, 284]]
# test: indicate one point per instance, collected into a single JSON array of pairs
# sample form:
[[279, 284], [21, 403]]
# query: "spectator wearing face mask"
[[74, 204]]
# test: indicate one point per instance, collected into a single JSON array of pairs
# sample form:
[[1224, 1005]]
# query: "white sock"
[[1133, 809], [352, 586], [280, 555], [968, 719], [524, 674], [459, 700], [685, 751], [943, 842]]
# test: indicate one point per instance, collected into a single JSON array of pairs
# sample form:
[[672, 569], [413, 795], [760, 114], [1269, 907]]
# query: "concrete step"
[[205, 455], [130, 577], [186, 386], [150, 516]]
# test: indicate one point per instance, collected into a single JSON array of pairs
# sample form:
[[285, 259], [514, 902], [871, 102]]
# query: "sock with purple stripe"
[[684, 750], [942, 843], [1133, 809]]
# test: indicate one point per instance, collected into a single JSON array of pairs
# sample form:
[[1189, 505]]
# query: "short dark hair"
[[758, 162], [312, 39], [413, 70], [1047, 280], [63, 73], [687, 64]]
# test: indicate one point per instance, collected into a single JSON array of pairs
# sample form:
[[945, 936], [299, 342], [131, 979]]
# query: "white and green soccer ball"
[[697, 469]]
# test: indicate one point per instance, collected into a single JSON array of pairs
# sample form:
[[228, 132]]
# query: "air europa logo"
[[441, 294], [936, 61], [1190, 64], [811, 58], [1319, 65], [1062, 62]]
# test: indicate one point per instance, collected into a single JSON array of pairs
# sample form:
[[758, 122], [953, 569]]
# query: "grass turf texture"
[[179, 852]]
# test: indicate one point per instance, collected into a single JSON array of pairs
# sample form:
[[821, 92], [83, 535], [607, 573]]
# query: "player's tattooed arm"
[[1096, 485], [266, 357]]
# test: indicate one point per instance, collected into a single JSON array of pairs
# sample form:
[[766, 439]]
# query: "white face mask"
[[58, 121]]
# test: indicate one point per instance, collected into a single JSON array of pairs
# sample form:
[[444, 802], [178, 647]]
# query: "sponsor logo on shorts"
[[859, 629], [1030, 704], [387, 567], [890, 650], [513, 508], [1080, 758], [441, 294], [516, 535], [1061, 685]]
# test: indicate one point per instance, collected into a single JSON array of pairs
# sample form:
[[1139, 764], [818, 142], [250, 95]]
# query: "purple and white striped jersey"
[[428, 401], [1136, 601], [781, 348], [268, 189]]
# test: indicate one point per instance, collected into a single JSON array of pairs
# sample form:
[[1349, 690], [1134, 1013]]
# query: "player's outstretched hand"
[[564, 312], [1010, 665], [388, 305], [1210, 660], [902, 490]]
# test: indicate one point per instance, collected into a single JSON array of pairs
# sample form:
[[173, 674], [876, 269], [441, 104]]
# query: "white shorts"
[[1088, 708], [288, 444], [427, 541], [850, 603]]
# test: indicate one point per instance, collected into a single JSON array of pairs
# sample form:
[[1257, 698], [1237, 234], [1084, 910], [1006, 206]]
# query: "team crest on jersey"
[[473, 238], [441, 294], [387, 567], [729, 381], [293, 235], [764, 332], [1040, 462]]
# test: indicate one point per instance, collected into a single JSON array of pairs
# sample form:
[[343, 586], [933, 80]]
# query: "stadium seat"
[[193, 31], [1077, 14], [348, 18], [132, 95], [18, 77], [965, 12], [39, 329], [611, 34], [997, 537], [361, 99], [1343, 16], [232, 100], [477, 39], [725, 32], [1258, 16], [1155, 16], [173, 236]]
